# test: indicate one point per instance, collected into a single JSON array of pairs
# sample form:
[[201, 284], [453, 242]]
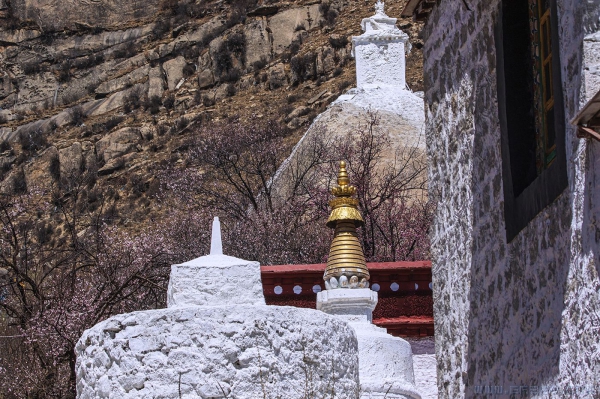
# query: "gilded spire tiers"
[[346, 265]]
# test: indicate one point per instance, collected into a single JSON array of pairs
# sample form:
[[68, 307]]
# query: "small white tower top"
[[380, 52], [216, 245], [379, 8]]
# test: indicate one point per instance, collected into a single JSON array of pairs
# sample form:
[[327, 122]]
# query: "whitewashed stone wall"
[[524, 313], [220, 352], [385, 361]]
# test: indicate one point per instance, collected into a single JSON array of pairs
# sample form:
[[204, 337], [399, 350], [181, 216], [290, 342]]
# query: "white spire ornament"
[[216, 244], [379, 8]]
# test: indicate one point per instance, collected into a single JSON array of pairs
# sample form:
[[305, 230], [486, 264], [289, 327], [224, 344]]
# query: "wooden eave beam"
[[588, 119], [587, 133]]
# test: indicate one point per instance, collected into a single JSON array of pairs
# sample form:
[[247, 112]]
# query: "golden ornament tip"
[[343, 175]]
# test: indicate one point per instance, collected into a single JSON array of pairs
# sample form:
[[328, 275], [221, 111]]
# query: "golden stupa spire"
[[346, 265]]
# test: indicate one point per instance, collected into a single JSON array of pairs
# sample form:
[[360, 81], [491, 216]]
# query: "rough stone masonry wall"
[[525, 313]]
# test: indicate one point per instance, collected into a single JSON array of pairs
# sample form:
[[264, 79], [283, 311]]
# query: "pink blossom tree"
[[52, 291]]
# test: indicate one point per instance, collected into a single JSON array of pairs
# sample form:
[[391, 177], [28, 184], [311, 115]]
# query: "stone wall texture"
[[524, 313], [244, 352]]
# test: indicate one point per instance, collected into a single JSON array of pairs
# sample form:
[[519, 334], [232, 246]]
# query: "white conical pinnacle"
[[216, 245]]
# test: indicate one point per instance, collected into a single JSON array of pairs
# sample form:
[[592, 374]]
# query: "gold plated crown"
[[346, 265], [343, 206]]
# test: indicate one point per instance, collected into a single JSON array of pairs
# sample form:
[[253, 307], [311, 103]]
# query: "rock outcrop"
[[57, 14], [74, 73]]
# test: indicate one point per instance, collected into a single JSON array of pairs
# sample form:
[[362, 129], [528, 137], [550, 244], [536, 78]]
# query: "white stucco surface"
[[380, 63], [380, 52], [385, 361], [399, 102], [215, 280], [424, 366], [243, 352]]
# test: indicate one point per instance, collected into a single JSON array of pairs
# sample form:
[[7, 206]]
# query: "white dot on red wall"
[[416, 286], [316, 288], [297, 289], [394, 287], [278, 290], [375, 287], [431, 286]]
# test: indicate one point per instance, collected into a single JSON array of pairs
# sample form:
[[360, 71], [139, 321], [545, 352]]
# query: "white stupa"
[[385, 361], [381, 88], [380, 54], [218, 339]]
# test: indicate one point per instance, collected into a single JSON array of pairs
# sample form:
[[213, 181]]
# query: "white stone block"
[[237, 352], [352, 304], [215, 280]]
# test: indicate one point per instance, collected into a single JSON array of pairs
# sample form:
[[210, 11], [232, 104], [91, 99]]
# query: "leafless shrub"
[[169, 101], [77, 115], [208, 101], [304, 66], [338, 41], [259, 64], [189, 70], [230, 90]]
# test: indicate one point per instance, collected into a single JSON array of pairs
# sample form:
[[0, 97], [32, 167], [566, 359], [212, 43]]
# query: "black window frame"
[[520, 209]]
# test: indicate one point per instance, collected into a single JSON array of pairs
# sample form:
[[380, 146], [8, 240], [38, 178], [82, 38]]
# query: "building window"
[[530, 108], [541, 39]]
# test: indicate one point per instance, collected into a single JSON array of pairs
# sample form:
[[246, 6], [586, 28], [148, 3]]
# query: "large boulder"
[[284, 24], [277, 76], [258, 41], [325, 60], [206, 78], [174, 71], [71, 160], [118, 143], [156, 82]]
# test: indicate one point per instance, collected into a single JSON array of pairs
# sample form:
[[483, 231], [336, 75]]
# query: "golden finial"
[[346, 265], [343, 189], [343, 175]]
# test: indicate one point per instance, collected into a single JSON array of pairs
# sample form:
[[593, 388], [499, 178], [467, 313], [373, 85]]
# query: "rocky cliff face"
[[113, 89]]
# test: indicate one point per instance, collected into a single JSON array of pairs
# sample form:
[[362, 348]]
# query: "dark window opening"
[[519, 93], [530, 109]]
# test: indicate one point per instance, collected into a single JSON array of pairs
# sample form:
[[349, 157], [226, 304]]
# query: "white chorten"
[[380, 52], [385, 361], [218, 339]]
